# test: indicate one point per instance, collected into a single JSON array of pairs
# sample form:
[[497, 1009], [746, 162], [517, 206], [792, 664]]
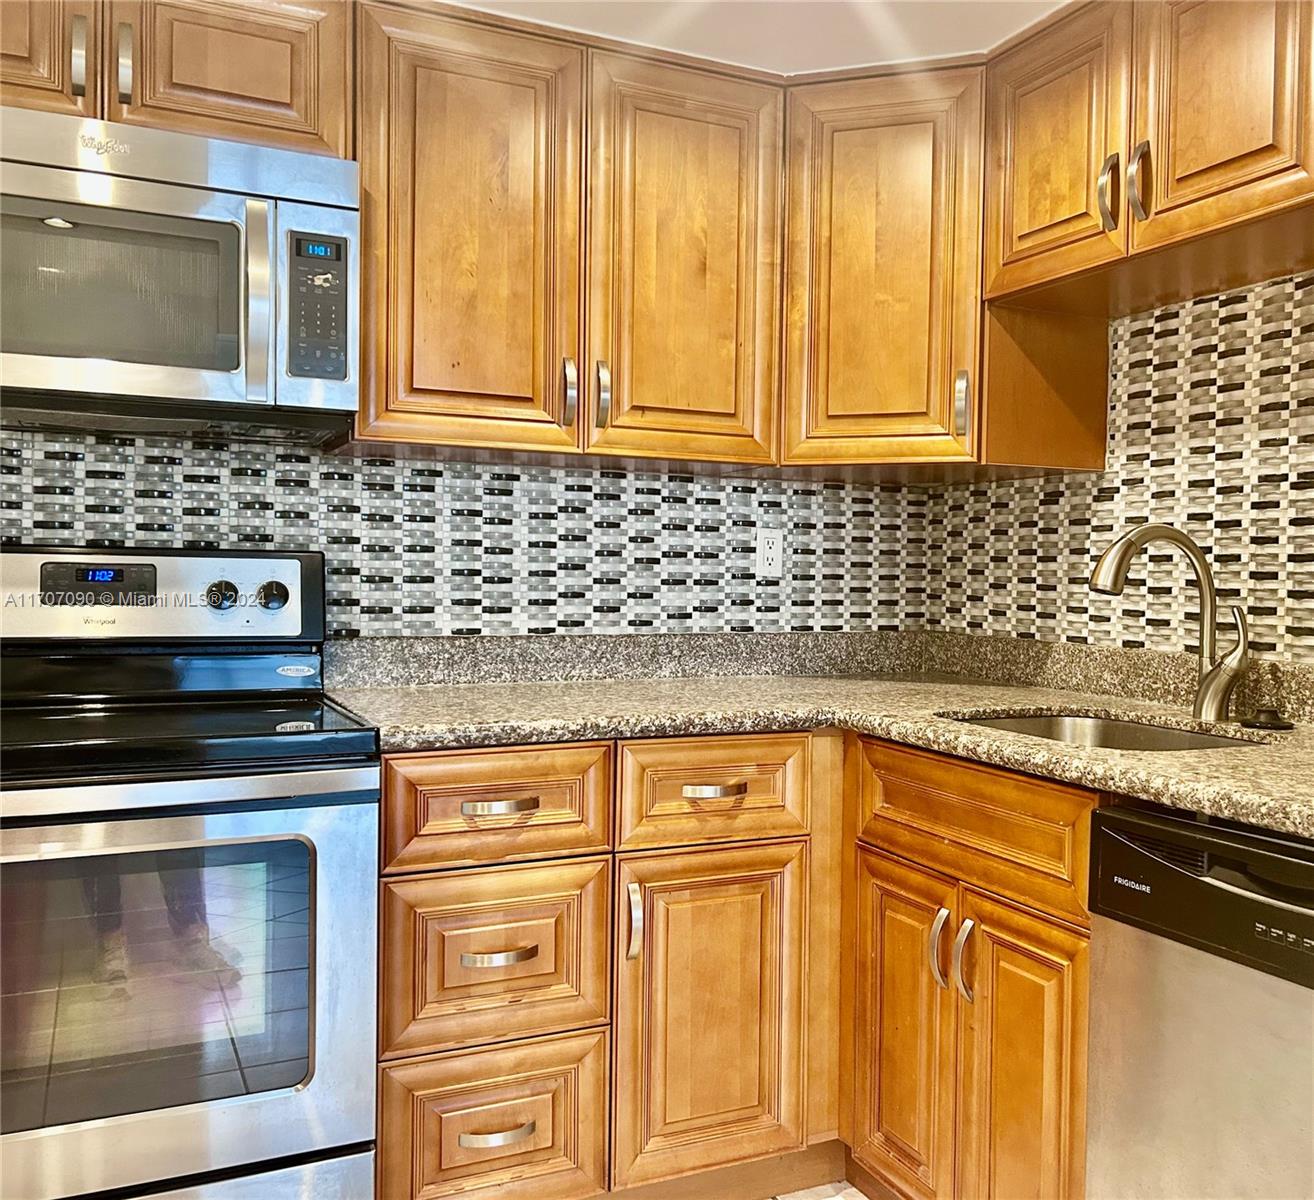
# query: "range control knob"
[[272, 595], [221, 594]]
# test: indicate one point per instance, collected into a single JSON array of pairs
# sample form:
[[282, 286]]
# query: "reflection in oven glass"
[[139, 981]]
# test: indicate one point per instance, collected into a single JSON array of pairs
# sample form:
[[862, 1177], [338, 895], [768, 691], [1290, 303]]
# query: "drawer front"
[[458, 808], [493, 954], [524, 1122], [712, 789], [1024, 838]]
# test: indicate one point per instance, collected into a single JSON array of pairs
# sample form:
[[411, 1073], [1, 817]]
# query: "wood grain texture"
[[471, 167], [559, 1083], [1057, 105], [708, 1018], [430, 1000], [424, 827], [1225, 97], [271, 71], [684, 183], [774, 770], [795, 1171], [36, 49], [882, 266]]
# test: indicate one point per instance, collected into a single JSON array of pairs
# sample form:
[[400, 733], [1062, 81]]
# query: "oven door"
[[187, 984], [117, 287]]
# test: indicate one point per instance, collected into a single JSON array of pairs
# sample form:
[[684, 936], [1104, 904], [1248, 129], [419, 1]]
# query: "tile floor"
[[827, 1191]]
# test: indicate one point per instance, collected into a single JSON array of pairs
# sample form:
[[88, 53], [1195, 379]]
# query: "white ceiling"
[[790, 36]]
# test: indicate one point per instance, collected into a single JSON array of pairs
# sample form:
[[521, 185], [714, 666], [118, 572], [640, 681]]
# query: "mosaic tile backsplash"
[[1212, 429]]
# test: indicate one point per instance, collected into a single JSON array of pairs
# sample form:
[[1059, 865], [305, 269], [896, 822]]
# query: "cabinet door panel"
[[273, 71], [1225, 99], [708, 1014], [470, 162], [883, 267], [1021, 1128], [684, 184], [904, 1046], [40, 64], [1059, 106]]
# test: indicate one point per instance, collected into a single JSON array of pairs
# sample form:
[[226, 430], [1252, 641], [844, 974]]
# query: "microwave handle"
[[260, 314]]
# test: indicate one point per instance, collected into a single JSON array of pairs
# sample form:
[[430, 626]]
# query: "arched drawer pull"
[[502, 958], [713, 791], [490, 1141], [499, 808]]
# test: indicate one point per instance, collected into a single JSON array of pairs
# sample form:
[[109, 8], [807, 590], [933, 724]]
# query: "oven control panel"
[[317, 306]]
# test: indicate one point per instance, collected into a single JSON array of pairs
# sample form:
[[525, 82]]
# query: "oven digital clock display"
[[100, 575]]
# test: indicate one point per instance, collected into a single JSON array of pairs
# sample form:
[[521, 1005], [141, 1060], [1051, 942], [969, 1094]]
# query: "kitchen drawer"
[[460, 807], [680, 791], [523, 1122], [493, 954], [1024, 838]]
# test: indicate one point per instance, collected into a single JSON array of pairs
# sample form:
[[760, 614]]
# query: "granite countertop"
[[1268, 783]]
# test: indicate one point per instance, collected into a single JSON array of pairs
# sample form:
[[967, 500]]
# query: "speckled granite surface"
[[1268, 783]]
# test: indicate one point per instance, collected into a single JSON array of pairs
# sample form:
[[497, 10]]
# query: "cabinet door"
[[1022, 1113], [683, 194], [50, 55], [883, 268], [471, 168], [1225, 113], [904, 1019], [709, 1009], [274, 71], [1059, 106]]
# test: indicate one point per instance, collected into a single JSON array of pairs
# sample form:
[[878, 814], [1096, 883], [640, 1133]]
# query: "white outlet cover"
[[770, 553]]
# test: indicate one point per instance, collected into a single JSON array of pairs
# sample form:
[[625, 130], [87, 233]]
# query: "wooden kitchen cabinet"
[[50, 55], [708, 1012], [883, 268], [684, 186], [471, 169]]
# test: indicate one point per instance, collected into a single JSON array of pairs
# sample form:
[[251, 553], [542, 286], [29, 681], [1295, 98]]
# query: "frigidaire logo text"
[[1134, 884], [107, 145]]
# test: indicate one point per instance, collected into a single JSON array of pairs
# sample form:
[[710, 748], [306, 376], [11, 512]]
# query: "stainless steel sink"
[[1109, 733]]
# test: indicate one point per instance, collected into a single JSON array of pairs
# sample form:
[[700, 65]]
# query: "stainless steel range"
[[189, 843]]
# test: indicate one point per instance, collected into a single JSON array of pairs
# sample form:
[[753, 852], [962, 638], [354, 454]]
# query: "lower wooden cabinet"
[[521, 1122], [708, 1014]]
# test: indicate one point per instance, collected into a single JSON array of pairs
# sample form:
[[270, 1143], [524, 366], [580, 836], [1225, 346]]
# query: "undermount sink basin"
[[1109, 733]]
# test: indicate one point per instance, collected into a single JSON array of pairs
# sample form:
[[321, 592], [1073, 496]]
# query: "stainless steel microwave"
[[160, 280]]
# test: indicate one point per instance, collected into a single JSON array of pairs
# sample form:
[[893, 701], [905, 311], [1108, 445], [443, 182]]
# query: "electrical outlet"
[[770, 553]]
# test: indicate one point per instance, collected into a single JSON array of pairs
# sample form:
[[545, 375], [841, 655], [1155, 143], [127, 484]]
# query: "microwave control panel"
[[317, 306]]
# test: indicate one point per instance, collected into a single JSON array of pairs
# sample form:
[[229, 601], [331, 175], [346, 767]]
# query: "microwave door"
[[118, 287]]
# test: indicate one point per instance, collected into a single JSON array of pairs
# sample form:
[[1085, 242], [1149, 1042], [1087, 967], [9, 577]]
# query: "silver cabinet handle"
[[503, 958], [78, 56], [125, 63], [490, 1141], [933, 947], [956, 962], [962, 403], [604, 394], [1134, 197], [499, 808], [713, 791], [1108, 172], [636, 920], [570, 383]]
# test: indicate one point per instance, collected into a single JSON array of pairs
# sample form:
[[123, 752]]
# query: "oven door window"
[[139, 981], [86, 282]]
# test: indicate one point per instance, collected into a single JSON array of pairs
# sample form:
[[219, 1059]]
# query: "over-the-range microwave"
[[153, 281]]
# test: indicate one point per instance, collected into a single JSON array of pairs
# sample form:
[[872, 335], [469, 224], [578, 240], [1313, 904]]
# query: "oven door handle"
[[260, 306]]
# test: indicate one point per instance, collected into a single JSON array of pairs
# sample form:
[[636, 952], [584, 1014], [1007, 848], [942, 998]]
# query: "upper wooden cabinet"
[[684, 186], [882, 268], [50, 55], [1224, 113], [471, 172], [1056, 146]]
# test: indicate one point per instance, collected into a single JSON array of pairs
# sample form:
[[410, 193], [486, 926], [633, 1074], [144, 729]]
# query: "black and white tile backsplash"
[[1212, 429]]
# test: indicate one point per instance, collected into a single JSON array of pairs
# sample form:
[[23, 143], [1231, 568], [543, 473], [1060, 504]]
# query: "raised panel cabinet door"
[[50, 55], [272, 71], [471, 170], [1224, 114], [1022, 1026], [684, 183], [883, 268], [904, 1020], [1058, 108], [708, 1014]]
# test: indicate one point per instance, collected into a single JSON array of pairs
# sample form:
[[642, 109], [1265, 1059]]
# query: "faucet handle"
[[1241, 651]]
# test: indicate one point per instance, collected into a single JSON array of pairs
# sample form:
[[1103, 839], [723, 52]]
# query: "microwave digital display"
[[306, 248]]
